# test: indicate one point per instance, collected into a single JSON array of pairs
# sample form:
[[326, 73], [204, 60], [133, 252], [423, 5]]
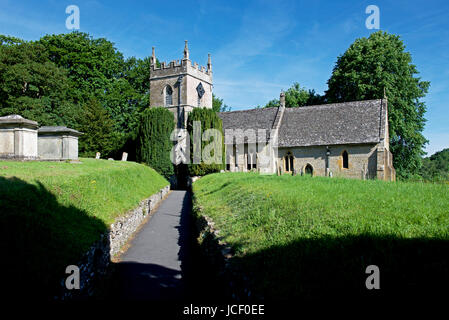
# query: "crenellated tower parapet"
[[180, 85]]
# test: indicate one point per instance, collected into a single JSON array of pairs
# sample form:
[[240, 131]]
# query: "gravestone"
[[97, 155], [124, 156]]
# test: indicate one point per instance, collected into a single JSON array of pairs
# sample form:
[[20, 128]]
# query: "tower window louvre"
[[168, 96]]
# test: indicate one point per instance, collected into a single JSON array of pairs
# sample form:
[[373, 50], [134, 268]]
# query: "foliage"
[[370, 66], [52, 212], [91, 63], [96, 69], [436, 167], [153, 140], [297, 96], [209, 120], [53, 79], [218, 105], [7, 40], [296, 227], [97, 128], [33, 86]]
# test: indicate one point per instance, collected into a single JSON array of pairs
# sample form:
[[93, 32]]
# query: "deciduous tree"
[[377, 63], [33, 86]]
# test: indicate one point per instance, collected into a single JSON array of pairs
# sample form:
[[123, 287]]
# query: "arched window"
[[308, 169], [289, 162], [168, 96], [345, 160]]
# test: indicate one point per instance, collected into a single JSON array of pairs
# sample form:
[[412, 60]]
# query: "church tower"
[[180, 86]]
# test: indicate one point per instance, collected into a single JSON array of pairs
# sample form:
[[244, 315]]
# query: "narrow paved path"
[[151, 269]]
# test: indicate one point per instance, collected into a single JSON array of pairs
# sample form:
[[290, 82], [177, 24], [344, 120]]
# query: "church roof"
[[356, 122], [339, 123], [249, 119]]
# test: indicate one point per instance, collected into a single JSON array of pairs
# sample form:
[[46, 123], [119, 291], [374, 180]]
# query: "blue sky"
[[258, 47]]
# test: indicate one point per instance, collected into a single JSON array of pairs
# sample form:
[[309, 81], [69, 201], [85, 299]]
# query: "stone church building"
[[344, 139]]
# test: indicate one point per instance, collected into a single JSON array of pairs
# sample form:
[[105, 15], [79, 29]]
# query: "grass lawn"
[[304, 236], [52, 212]]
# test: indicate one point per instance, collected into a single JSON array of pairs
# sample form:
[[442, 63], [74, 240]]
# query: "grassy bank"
[[303, 236], [51, 212]]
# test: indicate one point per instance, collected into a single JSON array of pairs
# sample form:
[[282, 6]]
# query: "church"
[[347, 139]]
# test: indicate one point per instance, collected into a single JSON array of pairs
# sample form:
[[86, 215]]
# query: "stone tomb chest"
[[18, 138], [58, 143]]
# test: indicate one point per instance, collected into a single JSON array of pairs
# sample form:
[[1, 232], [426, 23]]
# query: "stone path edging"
[[94, 263], [220, 253]]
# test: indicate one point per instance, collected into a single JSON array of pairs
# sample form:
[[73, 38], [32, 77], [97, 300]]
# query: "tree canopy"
[[33, 86], [218, 105], [58, 78], [96, 69], [297, 96], [370, 66], [436, 167]]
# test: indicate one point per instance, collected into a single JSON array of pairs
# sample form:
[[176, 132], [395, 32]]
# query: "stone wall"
[[124, 227], [95, 262], [192, 95], [192, 76], [385, 169], [362, 160]]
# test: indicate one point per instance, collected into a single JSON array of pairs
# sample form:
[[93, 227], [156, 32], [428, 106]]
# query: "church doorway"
[[308, 170]]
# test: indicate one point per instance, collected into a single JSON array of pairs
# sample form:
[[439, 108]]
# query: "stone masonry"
[[180, 86], [20, 139]]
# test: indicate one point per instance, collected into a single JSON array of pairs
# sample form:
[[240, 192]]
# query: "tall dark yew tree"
[[153, 140], [380, 62], [208, 119], [97, 128]]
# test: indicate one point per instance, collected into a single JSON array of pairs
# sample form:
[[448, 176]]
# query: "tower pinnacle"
[[153, 57], [209, 63], [186, 50]]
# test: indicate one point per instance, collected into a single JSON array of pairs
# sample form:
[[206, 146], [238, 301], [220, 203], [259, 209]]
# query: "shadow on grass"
[[39, 238], [335, 267], [224, 185]]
